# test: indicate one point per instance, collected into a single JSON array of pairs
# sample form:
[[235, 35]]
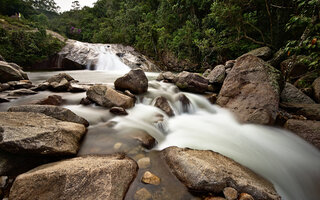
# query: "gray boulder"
[[135, 81], [217, 75], [251, 90], [264, 53], [208, 171], [192, 82], [291, 94], [59, 113], [166, 77], [38, 134], [82, 178], [108, 97], [310, 111]]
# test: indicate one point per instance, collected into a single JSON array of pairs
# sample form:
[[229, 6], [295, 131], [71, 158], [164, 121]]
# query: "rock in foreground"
[[108, 97], [82, 178], [251, 90], [207, 171], [38, 134], [135, 81], [59, 113]]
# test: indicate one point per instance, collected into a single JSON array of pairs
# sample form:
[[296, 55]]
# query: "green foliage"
[[26, 47]]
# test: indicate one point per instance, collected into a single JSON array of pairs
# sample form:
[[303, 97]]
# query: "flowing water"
[[281, 157]]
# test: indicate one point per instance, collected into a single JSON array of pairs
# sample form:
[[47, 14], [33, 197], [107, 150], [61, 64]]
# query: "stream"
[[289, 162]]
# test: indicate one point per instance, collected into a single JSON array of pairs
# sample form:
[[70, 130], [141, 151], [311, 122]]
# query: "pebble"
[[144, 163], [150, 178], [117, 146], [142, 194], [230, 193], [245, 196]]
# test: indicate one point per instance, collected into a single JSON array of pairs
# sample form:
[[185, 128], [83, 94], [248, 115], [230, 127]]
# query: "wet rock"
[[146, 140], [284, 116], [230, 193], [59, 113], [4, 100], [76, 88], [85, 101], [92, 177], [229, 64], [316, 89], [38, 134], [108, 97], [41, 87], [310, 111], [264, 53], [206, 73], [291, 94], [4, 87], [245, 196], [217, 75], [185, 102], [22, 92], [251, 91], [54, 100], [207, 171], [135, 81], [168, 77], [118, 111], [144, 163], [61, 86], [212, 98], [10, 73], [59, 77], [26, 84], [163, 104], [128, 93], [306, 129], [142, 194], [192, 82], [150, 178]]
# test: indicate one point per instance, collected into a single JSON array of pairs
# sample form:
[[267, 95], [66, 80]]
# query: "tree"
[[45, 5], [75, 5]]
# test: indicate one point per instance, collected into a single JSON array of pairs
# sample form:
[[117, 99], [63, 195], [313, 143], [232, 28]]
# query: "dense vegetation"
[[201, 33], [24, 40], [204, 32]]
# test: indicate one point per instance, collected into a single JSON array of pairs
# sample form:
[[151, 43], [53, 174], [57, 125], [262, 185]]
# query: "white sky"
[[66, 4]]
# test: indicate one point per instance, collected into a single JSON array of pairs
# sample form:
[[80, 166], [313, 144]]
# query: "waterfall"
[[109, 61], [289, 162]]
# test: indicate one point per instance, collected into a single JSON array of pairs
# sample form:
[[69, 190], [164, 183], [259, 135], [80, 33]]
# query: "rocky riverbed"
[[49, 151]]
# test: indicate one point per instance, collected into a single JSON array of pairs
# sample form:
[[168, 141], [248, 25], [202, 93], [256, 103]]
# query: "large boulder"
[[251, 91], [59, 77], [211, 172], [59, 113], [135, 81], [217, 75], [192, 82], [108, 97], [316, 89], [291, 94], [60, 82], [306, 129], [82, 178], [264, 53], [38, 134], [10, 73], [310, 111]]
